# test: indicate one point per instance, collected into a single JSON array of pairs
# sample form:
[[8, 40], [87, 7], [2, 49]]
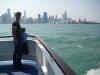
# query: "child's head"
[[23, 29]]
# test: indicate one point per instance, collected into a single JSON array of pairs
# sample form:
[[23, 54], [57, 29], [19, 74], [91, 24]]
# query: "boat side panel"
[[48, 65], [7, 50]]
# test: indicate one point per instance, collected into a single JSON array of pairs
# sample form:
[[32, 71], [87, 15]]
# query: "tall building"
[[24, 17], [51, 19], [39, 18], [56, 17], [64, 16], [0, 19], [29, 20], [45, 17], [5, 18], [8, 16]]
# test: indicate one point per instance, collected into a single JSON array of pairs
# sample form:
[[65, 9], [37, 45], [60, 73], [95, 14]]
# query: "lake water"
[[77, 44]]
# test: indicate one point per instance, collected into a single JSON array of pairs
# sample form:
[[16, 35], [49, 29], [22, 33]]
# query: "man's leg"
[[17, 56]]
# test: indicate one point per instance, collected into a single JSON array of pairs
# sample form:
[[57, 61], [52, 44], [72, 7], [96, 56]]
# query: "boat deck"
[[10, 70]]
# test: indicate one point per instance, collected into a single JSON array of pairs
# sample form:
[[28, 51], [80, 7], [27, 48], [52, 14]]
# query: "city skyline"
[[76, 9], [6, 18]]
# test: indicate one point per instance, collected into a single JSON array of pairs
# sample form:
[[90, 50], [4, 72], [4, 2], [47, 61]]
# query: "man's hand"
[[13, 31], [16, 41]]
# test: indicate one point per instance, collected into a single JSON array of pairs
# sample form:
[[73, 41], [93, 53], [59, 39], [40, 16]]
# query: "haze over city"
[[76, 9]]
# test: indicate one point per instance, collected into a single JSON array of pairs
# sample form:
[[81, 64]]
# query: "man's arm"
[[13, 31]]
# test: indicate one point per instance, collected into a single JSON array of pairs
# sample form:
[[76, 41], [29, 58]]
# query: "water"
[[77, 44]]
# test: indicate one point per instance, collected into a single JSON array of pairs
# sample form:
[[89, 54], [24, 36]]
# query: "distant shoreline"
[[53, 23]]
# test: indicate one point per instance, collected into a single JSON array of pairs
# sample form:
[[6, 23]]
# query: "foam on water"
[[79, 46], [93, 72]]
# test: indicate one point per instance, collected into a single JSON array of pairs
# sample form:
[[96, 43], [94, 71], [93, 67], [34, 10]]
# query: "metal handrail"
[[5, 36], [65, 68]]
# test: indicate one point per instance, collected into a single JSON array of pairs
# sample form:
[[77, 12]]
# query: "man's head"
[[23, 29], [18, 15]]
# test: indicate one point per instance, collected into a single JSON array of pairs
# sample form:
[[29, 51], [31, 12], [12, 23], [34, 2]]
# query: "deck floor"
[[10, 70]]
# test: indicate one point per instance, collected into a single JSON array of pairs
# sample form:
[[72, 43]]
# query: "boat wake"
[[93, 72]]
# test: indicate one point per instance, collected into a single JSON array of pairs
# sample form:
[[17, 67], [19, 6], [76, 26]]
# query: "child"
[[24, 41]]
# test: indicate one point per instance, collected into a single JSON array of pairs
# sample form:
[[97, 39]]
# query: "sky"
[[89, 9]]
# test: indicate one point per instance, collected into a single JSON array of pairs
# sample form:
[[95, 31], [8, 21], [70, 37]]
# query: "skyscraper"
[[8, 16], [64, 16], [5, 18], [24, 16], [45, 17], [39, 18], [51, 19]]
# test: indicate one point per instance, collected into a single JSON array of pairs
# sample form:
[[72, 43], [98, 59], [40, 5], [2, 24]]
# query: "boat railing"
[[48, 59]]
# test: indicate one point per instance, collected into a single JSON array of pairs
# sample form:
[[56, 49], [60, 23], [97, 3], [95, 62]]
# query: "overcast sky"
[[89, 9]]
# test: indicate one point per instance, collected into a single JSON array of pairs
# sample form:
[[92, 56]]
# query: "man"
[[24, 41], [16, 31]]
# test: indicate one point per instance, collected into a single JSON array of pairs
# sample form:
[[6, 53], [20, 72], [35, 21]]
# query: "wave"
[[79, 46], [93, 72]]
